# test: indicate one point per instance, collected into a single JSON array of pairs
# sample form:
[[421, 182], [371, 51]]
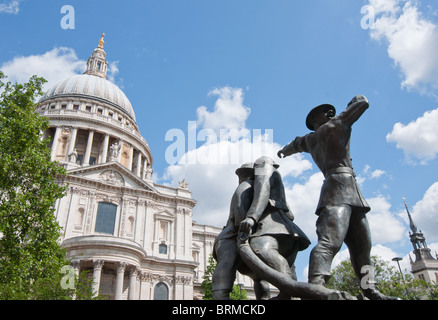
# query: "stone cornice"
[[108, 242]]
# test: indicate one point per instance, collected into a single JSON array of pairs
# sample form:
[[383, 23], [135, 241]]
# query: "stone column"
[[105, 148], [97, 271], [119, 280], [138, 173], [119, 154], [133, 271], [55, 143], [71, 147], [88, 150], [145, 167], [131, 156]]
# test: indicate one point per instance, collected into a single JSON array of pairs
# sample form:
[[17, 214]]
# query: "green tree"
[[51, 288], [206, 284], [343, 278], [389, 281], [30, 254], [236, 294]]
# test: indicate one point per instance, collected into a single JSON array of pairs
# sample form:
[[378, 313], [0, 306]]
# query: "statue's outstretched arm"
[[299, 144]]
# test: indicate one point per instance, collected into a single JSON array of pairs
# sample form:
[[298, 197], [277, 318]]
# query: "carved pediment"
[[112, 174], [112, 177], [164, 215]]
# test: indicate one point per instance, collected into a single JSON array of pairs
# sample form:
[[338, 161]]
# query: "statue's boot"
[[319, 279], [374, 294], [221, 294]]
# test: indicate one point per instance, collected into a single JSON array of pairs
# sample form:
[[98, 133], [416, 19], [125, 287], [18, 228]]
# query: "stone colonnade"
[[176, 286], [122, 152], [121, 269]]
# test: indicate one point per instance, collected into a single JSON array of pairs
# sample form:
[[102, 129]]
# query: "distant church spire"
[[97, 64], [421, 251], [425, 265], [411, 222]]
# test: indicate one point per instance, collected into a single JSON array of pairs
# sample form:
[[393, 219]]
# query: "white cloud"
[[385, 6], [303, 199], [385, 226], [212, 179], [113, 70], [425, 213], [377, 174], [229, 112], [12, 7], [433, 248], [383, 252], [367, 173], [418, 139], [211, 186], [209, 169], [412, 42], [54, 66]]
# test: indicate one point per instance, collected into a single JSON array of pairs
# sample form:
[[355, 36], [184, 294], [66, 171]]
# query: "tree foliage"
[[389, 281], [236, 294], [30, 254]]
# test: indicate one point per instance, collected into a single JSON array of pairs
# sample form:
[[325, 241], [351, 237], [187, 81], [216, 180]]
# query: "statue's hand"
[[280, 154], [358, 98], [245, 228]]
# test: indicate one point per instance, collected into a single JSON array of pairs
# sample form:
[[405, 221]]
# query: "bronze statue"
[[273, 235], [267, 239], [225, 248], [342, 208]]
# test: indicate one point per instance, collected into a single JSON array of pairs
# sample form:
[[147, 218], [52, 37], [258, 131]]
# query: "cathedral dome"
[[94, 87], [92, 122], [93, 84]]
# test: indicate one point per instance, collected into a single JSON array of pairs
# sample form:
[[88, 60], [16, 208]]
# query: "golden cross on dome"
[[101, 42]]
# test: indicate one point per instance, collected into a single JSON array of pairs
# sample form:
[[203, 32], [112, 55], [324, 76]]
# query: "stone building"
[[136, 237]]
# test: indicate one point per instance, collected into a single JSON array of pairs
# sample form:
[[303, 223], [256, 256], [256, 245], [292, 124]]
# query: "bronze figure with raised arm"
[[341, 209]]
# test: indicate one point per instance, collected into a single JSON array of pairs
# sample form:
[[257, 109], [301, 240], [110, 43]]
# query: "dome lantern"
[[97, 64]]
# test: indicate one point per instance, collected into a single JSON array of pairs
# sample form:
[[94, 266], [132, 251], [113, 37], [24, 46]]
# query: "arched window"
[[161, 291], [106, 218]]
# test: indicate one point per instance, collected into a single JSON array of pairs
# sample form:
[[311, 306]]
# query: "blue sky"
[[261, 65]]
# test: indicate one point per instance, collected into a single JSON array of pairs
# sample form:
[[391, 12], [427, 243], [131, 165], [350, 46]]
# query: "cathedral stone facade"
[[137, 238]]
